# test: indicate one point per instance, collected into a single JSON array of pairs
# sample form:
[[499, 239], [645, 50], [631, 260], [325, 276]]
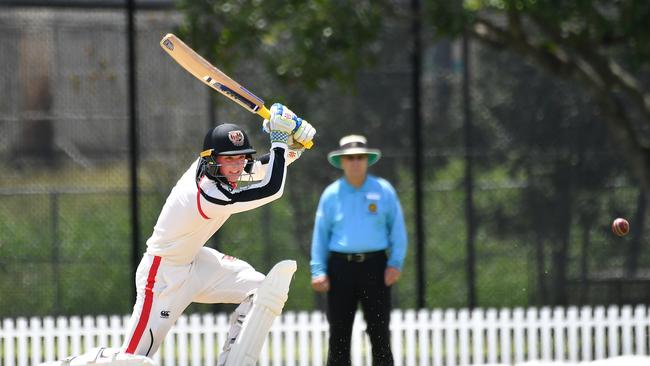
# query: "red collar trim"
[[198, 200]]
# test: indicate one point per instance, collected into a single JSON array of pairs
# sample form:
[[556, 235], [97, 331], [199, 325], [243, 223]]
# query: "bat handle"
[[264, 113]]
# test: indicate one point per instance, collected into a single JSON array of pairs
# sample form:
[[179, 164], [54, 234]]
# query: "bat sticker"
[[233, 94], [252, 95], [167, 43]]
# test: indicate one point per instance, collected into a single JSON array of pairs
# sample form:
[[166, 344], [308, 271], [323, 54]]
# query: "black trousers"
[[352, 283]]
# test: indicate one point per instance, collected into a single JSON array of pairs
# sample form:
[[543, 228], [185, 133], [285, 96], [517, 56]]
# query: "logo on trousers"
[[164, 314]]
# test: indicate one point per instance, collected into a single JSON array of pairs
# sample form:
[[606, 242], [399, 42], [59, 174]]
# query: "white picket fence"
[[425, 337]]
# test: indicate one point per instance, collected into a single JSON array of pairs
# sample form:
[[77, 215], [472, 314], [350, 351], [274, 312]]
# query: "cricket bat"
[[215, 78]]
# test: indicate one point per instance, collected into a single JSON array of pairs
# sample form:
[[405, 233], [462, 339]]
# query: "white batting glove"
[[283, 119], [282, 123], [305, 132]]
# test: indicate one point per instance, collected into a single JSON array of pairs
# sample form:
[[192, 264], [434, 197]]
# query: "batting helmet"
[[225, 139]]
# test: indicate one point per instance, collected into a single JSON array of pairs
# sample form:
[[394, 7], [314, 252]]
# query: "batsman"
[[177, 269]]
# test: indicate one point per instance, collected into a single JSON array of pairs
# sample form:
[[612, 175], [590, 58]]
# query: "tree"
[[297, 41], [599, 48], [603, 45]]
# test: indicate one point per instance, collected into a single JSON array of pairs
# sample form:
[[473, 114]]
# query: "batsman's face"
[[232, 166]]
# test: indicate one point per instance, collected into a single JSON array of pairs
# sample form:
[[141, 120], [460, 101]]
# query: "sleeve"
[[259, 167], [320, 239], [397, 237], [218, 200], [293, 155]]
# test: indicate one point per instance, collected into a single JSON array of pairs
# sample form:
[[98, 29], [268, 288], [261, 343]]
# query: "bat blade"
[[211, 76]]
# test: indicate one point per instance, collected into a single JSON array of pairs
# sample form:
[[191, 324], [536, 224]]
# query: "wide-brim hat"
[[353, 145]]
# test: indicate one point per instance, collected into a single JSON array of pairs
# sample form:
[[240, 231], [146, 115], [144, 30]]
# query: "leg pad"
[[267, 305]]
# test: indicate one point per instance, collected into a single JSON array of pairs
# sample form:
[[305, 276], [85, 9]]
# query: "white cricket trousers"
[[164, 290]]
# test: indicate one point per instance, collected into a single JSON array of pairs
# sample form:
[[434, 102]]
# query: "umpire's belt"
[[358, 257]]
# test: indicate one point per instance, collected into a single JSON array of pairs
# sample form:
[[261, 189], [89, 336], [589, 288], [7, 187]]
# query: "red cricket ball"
[[620, 227]]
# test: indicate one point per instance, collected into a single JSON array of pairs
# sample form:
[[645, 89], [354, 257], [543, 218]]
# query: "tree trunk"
[[541, 264], [561, 232], [584, 262], [637, 228], [37, 135]]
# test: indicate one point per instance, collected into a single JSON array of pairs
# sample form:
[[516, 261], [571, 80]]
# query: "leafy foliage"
[[601, 45], [297, 41]]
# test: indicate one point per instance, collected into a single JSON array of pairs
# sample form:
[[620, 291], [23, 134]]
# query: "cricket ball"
[[620, 226]]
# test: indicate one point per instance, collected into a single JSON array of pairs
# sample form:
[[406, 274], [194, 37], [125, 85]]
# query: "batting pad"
[[104, 357], [267, 305]]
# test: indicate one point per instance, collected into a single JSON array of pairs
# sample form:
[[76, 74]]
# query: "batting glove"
[[305, 132], [282, 123], [283, 119]]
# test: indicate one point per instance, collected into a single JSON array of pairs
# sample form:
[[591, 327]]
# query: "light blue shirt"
[[358, 220]]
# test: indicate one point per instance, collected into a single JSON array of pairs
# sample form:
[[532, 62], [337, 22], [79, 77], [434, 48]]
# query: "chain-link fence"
[[546, 184]]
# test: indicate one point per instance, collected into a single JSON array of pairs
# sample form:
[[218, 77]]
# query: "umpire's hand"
[[320, 283], [391, 275]]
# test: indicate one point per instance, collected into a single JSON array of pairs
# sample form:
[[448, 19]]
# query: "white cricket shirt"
[[197, 207]]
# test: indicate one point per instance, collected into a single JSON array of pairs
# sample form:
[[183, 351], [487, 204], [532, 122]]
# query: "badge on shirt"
[[373, 196], [372, 206]]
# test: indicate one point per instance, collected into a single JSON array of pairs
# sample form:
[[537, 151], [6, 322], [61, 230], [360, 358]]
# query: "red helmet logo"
[[236, 137]]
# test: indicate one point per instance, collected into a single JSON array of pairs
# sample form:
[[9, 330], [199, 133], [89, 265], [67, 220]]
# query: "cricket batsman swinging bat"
[[214, 78]]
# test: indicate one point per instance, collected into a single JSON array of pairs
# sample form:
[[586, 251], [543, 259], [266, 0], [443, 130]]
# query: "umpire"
[[358, 248]]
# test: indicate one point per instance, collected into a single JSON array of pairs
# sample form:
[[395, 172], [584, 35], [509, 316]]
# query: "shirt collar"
[[348, 187]]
